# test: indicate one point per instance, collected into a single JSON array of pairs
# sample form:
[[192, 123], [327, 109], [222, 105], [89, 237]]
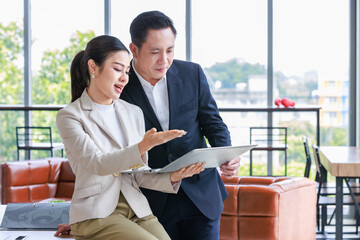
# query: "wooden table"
[[341, 162]]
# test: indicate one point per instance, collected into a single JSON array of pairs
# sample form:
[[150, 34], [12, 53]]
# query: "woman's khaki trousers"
[[121, 224]]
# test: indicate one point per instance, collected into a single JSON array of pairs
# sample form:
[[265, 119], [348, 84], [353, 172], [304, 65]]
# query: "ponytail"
[[79, 76], [98, 49]]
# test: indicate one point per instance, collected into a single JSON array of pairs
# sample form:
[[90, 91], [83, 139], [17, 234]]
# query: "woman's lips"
[[118, 88]]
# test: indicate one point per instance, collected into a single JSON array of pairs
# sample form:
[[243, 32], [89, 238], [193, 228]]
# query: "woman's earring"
[[93, 75]]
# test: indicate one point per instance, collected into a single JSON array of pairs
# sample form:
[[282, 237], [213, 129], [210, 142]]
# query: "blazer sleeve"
[[211, 123], [82, 149], [159, 182]]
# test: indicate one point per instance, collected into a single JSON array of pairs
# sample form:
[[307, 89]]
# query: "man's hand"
[[230, 168], [63, 229]]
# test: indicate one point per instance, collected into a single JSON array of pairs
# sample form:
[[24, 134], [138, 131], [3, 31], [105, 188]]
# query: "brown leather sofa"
[[269, 208], [36, 180], [257, 207]]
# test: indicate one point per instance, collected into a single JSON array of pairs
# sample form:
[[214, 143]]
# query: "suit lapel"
[[136, 94], [174, 85]]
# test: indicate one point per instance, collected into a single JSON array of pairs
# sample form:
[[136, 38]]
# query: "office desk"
[[32, 235], [341, 162]]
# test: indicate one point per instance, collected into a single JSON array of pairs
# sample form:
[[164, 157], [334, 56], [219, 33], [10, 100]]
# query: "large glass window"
[[11, 52], [123, 14], [59, 30], [230, 42], [311, 53], [11, 74]]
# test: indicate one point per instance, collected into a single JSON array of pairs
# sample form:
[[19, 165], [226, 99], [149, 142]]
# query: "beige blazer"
[[97, 159]]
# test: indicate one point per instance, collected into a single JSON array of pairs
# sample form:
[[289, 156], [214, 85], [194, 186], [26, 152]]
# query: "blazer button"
[[116, 174]]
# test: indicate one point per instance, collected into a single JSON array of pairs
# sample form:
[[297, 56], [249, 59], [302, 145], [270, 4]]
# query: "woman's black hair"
[[97, 49], [147, 21]]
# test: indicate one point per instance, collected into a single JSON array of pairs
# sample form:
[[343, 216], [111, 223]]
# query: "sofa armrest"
[[66, 183], [293, 183], [231, 180], [252, 180], [257, 180]]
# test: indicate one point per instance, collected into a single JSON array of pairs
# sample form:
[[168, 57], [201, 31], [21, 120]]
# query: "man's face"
[[155, 56]]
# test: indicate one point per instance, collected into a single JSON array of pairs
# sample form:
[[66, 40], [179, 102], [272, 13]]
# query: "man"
[[174, 94]]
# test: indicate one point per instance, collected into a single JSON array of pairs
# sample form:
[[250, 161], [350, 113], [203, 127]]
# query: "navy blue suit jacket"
[[193, 109]]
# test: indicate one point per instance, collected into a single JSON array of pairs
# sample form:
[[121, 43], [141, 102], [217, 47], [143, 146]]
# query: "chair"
[[324, 199], [325, 190], [36, 138], [268, 139], [325, 185], [308, 158]]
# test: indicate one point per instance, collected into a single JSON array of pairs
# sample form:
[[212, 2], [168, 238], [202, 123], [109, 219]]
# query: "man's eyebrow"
[[157, 49]]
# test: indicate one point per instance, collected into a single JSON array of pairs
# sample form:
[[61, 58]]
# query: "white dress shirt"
[[158, 97]]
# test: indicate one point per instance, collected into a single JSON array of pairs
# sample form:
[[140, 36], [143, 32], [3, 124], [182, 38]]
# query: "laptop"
[[213, 157]]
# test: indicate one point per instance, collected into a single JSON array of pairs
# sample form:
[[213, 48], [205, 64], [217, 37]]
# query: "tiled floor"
[[350, 230], [349, 235]]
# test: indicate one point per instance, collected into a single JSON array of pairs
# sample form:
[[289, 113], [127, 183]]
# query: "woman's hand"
[[63, 229], [186, 172], [153, 138]]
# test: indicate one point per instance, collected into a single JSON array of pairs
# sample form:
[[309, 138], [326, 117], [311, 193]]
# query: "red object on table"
[[278, 102], [287, 103]]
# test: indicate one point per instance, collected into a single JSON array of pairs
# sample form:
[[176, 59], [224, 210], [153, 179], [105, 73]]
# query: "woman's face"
[[110, 79]]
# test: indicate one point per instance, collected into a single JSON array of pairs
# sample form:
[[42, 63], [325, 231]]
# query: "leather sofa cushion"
[[271, 208], [36, 180]]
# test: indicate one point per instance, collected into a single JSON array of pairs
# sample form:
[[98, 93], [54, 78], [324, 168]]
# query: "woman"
[[104, 136]]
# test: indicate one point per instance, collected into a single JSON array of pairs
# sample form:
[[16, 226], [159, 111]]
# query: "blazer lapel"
[[137, 96], [174, 85], [126, 124], [96, 116]]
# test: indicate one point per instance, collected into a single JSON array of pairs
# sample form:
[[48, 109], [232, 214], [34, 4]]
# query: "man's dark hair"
[[146, 21]]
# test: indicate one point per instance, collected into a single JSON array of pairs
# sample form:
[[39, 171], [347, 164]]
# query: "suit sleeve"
[[211, 124]]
